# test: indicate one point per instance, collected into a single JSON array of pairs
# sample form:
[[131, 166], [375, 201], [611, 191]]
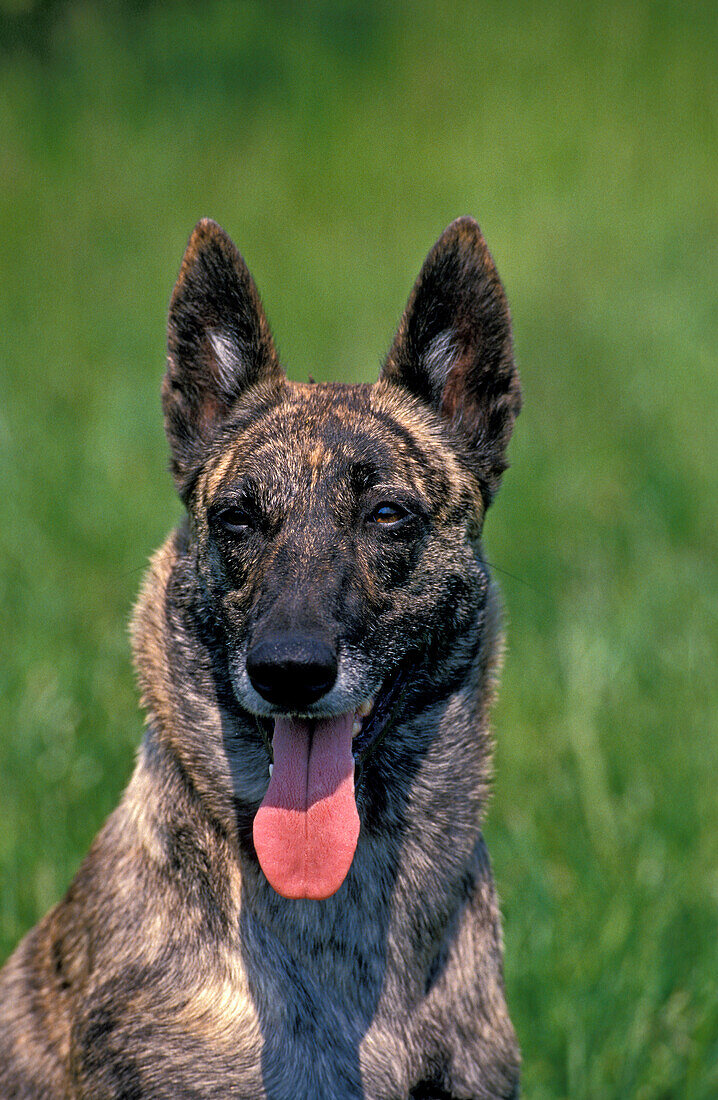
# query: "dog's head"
[[334, 527]]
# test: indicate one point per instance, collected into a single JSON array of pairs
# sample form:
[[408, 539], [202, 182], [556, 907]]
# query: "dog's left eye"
[[236, 520], [389, 514]]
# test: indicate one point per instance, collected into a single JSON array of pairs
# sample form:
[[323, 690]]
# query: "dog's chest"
[[325, 1030], [290, 1039], [326, 1051]]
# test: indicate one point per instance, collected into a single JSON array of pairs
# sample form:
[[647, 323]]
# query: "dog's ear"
[[454, 349], [218, 344]]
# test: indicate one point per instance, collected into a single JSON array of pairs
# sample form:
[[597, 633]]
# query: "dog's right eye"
[[236, 520]]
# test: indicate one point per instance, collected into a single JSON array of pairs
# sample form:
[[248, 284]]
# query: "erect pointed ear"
[[454, 349], [218, 344]]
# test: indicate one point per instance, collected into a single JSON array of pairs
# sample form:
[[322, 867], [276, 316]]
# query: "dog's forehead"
[[329, 431]]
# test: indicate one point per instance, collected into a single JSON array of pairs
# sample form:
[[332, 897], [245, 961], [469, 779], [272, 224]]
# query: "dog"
[[294, 898]]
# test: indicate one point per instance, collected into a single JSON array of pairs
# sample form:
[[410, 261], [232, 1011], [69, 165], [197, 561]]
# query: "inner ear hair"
[[437, 360], [228, 365]]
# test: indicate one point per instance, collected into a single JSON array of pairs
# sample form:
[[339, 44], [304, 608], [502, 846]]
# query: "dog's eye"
[[236, 520], [388, 514]]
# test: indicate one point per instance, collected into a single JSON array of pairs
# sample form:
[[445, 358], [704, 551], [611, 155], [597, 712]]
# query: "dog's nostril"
[[292, 671]]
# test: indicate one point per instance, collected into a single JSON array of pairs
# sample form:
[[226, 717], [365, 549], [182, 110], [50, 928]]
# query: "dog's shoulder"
[[34, 1020]]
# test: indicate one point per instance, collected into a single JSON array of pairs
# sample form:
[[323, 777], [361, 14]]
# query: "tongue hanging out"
[[306, 830]]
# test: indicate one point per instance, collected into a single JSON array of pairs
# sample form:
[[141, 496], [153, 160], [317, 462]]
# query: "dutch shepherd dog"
[[293, 899]]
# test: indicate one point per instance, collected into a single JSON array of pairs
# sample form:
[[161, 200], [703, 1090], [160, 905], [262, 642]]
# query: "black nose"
[[292, 671]]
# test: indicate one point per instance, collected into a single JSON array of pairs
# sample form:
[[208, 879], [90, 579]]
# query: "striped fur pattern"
[[172, 968]]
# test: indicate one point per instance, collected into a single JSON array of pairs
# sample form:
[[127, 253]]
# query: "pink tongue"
[[306, 830]]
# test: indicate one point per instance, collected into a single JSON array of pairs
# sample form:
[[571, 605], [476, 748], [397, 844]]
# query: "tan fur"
[[172, 968]]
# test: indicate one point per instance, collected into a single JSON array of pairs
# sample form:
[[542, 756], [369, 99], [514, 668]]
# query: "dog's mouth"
[[307, 827]]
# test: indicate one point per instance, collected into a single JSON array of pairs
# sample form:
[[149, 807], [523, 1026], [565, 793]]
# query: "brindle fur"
[[171, 968]]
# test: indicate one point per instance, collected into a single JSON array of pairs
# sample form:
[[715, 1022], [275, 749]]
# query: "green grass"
[[334, 145]]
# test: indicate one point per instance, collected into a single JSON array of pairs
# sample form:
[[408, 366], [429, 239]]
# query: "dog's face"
[[334, 527], [318, 530]]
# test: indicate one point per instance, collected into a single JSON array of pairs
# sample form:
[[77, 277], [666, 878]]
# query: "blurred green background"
[[335, 139]]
